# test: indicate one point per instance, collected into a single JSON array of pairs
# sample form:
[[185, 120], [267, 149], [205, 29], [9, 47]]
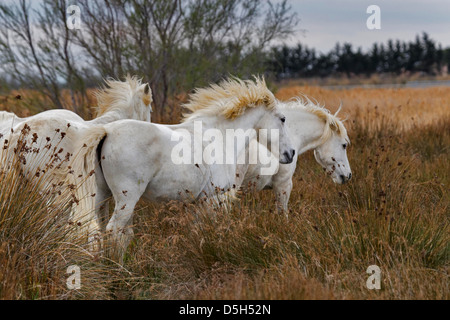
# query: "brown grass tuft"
[[38, 241]]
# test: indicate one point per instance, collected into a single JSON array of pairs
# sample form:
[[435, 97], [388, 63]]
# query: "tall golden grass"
[[38, 241], [394, 213]]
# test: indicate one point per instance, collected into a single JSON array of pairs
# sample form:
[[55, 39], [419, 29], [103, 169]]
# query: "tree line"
[[175, 45], [423, 55]]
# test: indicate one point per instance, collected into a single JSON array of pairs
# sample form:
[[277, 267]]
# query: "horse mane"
[[229, 98], [333, 123], [116, 95]]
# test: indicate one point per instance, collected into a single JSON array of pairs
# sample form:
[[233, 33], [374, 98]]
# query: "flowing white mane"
[[117, 95], [229, 98], [333, 123]]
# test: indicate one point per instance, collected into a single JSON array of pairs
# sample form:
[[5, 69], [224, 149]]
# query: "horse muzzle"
[[345, 179], [288, 157]]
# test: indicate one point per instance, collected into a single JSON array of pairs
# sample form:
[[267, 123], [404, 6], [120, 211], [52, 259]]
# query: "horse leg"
[[101, 200], [119, 228], [282, 191]]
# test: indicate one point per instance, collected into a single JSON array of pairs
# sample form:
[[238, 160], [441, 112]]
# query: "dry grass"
[[374, 79], [26, 102], [37, 238], [372, 108], [394, 213]]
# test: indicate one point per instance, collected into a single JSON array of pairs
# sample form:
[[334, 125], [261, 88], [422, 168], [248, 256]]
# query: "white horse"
[[310, 126], [137, 158], [9, 120], [130, 99], [60, 142]]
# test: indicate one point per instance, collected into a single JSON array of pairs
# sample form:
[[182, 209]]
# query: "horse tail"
[[81, 179]]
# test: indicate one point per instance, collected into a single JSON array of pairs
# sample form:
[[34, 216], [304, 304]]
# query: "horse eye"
[[344, 146], [283, 119]]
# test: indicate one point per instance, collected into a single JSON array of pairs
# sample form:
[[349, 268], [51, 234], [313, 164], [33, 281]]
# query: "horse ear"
[[147, 89], [333, 126]]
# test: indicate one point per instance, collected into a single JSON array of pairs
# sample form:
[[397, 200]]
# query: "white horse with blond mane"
[[310, 127], [129, 99], [138, 159], [59, 142]]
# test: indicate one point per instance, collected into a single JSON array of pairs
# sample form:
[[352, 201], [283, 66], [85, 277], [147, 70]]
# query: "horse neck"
[[305, 129], [249, 120]]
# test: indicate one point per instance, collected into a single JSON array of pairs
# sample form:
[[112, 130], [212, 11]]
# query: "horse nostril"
[[349, 176], [289, 155]]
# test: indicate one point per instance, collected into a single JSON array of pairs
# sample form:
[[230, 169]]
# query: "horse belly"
[[173, 184]]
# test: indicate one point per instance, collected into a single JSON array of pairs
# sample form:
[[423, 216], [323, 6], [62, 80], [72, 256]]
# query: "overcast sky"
[[324, 22], [327, 21]]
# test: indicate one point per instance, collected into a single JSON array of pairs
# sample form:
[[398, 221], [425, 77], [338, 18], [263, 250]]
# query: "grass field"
[[394, 213]]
